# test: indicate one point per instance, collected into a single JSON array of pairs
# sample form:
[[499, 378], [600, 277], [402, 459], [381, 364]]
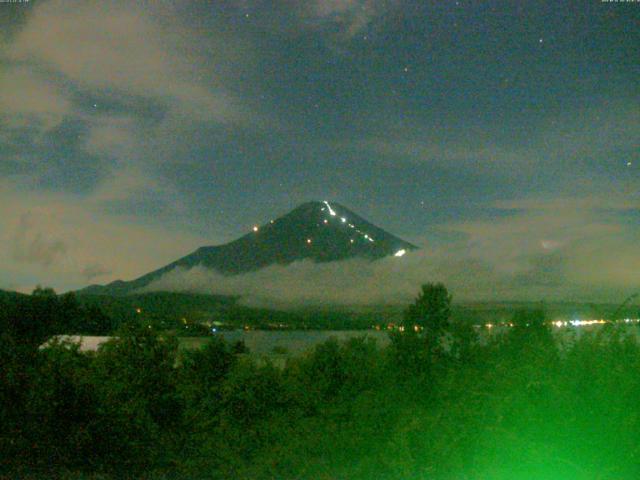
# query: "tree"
[[414, 353], [430, 311], [133, 376], [529, 318], [530, 327]]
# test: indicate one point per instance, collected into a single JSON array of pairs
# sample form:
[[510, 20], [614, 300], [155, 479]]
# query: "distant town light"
[[308, 240], [400, 253], [255, 228], [138, 310]]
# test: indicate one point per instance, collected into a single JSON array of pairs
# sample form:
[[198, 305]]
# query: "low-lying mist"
[[392, 281]]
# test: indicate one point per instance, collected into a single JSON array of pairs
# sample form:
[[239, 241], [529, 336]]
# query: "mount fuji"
[[319, 231]]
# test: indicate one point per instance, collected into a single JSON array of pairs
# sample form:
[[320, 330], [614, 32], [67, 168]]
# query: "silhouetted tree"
[[430, 311], [413, 352], [531, 335], [529, 318], [239, 347]]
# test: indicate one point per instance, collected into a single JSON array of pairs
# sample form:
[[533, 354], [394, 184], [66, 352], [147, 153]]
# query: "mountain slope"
[[318, 231]]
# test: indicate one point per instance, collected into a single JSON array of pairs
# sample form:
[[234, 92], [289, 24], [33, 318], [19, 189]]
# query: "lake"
[[295, 342]]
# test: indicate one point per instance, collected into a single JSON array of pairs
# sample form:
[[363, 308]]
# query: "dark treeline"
[[33, 318], [437, 404], [187, 313]]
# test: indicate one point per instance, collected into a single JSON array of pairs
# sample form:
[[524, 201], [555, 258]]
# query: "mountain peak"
[[320, 231]]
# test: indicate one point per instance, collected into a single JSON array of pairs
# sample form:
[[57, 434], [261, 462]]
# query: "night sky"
[[502, 137]]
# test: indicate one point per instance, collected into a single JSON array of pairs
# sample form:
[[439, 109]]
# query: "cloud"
[[605, 133], [98, 97], [561, 250], [337, 20], [119, 46], [350, 16], [390, 281], [24, 99], [34, 246], [61, 240], [131, 78], [95, 270]]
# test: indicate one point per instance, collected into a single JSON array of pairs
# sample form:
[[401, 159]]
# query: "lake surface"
[[293, 342]]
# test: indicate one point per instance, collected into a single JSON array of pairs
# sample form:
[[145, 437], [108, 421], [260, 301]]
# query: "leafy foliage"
[[515, 406], [431, 311]]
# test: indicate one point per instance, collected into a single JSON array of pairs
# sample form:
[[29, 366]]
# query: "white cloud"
[[505, 259], [119, 46], [67, 54], [119, 246], [25, 98], [35, 246], [350, 16]]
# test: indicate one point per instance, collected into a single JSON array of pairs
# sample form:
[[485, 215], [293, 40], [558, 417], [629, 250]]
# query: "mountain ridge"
[[321, 231]]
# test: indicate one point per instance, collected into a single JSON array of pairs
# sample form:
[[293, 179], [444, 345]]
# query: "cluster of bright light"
[[333, 213], [400, 253], [568, 323], [255, 228], [583, 323]]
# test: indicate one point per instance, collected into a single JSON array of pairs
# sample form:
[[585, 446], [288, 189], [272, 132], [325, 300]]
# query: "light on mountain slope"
[[331, 211]]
